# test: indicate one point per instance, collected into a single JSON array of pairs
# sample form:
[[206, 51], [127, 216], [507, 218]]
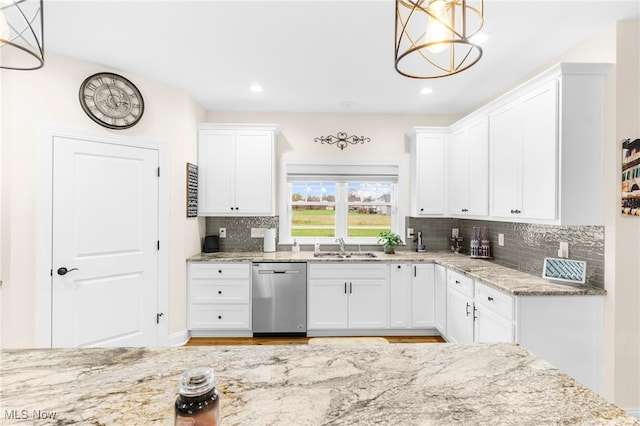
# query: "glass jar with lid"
[[198, 402]]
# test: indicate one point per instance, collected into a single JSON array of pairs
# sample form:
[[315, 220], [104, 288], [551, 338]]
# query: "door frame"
[[44, 229]]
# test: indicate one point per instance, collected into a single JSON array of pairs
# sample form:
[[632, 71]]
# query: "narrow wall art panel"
[[192, 190], [631, 177]]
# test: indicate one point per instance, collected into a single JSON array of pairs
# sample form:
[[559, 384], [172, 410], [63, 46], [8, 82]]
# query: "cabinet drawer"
[[220, 270], [499, 302], [217, 317], [460, 282], [349, 271], [218, 291]]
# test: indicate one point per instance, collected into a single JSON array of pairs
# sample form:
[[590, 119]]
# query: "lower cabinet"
[[440, 281], [423, 307], [400, 298], [565, 331], [218, 297], [347, 296]]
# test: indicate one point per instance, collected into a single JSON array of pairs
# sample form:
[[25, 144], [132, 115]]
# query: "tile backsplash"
[[525, 245]]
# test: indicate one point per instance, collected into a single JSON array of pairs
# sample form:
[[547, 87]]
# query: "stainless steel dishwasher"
[[279, 297]]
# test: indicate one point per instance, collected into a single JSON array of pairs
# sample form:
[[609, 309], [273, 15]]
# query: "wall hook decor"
[[341, 140]]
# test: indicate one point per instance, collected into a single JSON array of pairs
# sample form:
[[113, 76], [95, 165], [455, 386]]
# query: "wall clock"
[[111, 100]]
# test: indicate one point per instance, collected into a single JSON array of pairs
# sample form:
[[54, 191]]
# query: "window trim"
[[285, 211]]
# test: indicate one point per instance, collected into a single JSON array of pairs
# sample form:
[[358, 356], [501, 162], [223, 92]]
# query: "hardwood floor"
[[231, 341]]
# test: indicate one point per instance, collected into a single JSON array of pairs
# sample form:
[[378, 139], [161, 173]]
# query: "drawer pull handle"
[[490, 299], [468, 309], [457, 282]]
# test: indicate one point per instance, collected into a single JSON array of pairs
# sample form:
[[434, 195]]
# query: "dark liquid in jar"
[[203, 410]]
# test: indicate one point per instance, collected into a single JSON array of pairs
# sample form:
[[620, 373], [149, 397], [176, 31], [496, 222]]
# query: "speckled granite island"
[[395, 384]]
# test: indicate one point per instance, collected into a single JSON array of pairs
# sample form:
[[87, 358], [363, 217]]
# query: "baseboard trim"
[[178, 339], [634, 412]]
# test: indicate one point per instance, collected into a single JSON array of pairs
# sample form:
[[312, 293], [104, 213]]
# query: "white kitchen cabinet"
[[423, 311], [440, 278], [468, 164], [218, 298], [459, 308], [348, 296], [427, 171], [400, 295], [546, 139], [524, 156], [494, 315], [236, 170]]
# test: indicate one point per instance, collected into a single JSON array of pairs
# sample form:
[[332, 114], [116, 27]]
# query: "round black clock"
[[111, 100]]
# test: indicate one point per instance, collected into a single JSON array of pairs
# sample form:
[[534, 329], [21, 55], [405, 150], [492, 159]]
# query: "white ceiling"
[[313, 55]]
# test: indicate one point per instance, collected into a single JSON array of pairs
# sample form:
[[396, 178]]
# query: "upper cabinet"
[[546, 144], [236, 170], [469, 168], [427, 180]]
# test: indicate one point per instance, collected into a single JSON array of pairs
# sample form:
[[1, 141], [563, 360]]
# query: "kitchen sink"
[[354, 255]]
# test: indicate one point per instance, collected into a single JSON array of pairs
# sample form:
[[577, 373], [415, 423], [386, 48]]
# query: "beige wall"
[[49, 97]]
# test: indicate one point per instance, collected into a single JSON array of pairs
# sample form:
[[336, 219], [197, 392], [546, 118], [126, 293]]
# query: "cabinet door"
[[539, 158], [400, 296], [327, 304], [423, 312], [368, 301], [440, 275], [254, 172], [430, 173], [505, 161], [459, 172], [478, 168], [459, 317], [490, 327], [215, 172]]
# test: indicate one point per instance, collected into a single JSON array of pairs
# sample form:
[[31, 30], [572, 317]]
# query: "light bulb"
[[4, 28], [436, 30]]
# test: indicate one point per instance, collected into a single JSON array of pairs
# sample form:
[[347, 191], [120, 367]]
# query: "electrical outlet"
[[222, 232], [501, 240], [564, 250], [409, 233], [257, 232]]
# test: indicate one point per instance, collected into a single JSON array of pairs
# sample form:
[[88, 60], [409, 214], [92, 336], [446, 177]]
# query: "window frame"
[[341, 211]]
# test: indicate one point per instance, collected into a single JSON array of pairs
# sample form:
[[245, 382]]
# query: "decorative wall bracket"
[[341, 140]]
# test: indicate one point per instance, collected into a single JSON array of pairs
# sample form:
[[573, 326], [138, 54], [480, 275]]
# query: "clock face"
[[111, 100]]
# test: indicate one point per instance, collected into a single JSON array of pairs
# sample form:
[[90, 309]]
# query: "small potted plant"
[[390, 241]]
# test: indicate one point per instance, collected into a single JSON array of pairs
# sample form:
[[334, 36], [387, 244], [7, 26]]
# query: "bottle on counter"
[[198, 402], [316, 247]]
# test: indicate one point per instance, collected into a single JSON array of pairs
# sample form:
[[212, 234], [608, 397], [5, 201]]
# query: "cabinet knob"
[[219, 271], [236, 208], [490, 299], [421, 210], [231, 208], [399, 266], [219, 316], [219, 291]]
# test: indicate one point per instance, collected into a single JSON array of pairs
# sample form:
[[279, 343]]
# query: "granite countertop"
[[395, 384], [500, 277]]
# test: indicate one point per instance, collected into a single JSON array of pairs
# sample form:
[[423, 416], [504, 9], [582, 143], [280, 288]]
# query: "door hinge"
[[158, 171], [158, 315], [158, 245]]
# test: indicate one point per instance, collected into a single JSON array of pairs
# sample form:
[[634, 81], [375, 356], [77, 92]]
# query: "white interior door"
[[105, 232]]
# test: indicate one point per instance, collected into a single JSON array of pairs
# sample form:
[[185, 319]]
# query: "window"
[[323, 202]]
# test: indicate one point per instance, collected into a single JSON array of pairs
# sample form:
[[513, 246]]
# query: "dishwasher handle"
[[278, 271]]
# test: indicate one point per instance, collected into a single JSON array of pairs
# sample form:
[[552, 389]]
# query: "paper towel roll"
[[269, 240]]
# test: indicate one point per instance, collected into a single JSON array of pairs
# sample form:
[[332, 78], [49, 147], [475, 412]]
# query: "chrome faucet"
[[341, 242]]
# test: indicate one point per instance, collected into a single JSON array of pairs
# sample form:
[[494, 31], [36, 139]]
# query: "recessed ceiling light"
[[426, 90], [256, 88]]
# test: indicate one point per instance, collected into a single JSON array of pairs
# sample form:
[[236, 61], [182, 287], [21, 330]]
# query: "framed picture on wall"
[[631, 177], [192, 190]]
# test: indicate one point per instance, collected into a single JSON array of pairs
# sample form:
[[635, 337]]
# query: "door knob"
[[63, 270]]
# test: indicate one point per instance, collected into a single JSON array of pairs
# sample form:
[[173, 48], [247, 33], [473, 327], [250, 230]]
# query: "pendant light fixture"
[[21, 34], [433, 37]]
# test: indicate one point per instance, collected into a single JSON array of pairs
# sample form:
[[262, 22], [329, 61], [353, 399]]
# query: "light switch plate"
[[409, 233], [257, 232]]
